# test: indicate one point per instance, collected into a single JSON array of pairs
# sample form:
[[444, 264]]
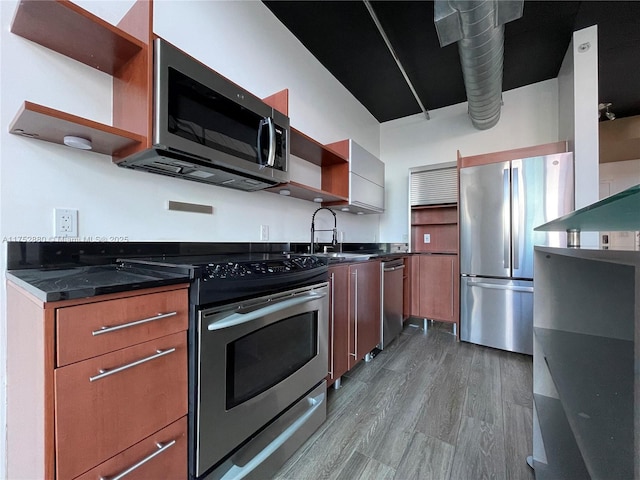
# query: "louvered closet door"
[[435, 186]]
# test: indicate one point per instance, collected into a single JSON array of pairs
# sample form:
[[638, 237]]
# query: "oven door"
[[255, 360]]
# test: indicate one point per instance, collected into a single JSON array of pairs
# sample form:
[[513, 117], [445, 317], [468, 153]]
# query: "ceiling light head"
[[606, 107]]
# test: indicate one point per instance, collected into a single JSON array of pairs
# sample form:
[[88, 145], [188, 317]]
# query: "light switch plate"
[[427, 238]]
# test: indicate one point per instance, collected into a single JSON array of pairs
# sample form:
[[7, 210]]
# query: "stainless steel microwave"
[[208, 129]]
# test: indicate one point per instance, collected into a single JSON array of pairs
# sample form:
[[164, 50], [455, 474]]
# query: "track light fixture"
[[607, 112]]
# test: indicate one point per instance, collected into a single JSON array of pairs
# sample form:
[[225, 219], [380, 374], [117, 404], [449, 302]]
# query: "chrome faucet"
[[334, 239]]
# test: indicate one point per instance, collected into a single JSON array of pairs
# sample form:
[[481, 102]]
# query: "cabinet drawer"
[[89, 330], [162, 455], [106, 404]]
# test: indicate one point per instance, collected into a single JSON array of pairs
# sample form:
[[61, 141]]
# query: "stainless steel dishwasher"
[[391, 299]]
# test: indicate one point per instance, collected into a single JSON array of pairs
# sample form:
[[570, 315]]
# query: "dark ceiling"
[[344, 38]]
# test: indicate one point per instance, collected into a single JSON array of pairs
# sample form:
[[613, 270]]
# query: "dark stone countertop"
[[55, 271], [53, 284]]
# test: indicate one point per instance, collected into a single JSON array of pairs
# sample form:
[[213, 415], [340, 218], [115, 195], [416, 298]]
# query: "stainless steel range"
[[257, 359]]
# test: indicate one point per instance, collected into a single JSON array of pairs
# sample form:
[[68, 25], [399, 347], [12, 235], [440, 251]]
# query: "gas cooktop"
[[224, 277]]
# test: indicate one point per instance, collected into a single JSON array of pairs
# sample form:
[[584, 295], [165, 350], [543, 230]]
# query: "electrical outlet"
[[65, 222], [427, 238], [264, 232]]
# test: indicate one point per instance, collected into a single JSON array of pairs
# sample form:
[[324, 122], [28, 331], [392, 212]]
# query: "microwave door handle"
[[271, 159], [240, 318], [259, 142]]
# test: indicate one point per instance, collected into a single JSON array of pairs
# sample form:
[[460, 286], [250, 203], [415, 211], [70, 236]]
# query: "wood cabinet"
[[354, 315], [364, 309], [106, 375], [434, 274], [338, 322], [123, 51], [169, 444], [334, 165], [436, 286], [365, 179], [434, 229]]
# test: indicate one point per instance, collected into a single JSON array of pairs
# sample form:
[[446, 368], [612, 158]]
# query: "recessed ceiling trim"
[[395, 57]]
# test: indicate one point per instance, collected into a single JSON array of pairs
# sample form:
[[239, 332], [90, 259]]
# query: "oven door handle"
[[240, 318]]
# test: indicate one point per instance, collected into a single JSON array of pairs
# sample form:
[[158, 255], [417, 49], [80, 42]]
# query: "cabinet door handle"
[[106, 329], [333, 309], [106, 373], [355, 315], [161, 448]]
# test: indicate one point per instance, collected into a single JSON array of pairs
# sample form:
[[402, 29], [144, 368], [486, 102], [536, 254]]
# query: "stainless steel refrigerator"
[[500, 205]]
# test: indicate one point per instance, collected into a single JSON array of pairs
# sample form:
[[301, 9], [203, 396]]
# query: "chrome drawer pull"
[[132, 324], [161, 448], [106, 373]]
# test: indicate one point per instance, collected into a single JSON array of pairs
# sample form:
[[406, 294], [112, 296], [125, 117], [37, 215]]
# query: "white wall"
[[620, 175], [529, 117], [242, 40], [616, 177]]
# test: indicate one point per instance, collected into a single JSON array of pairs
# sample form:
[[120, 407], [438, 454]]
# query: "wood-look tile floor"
[[427, 407]]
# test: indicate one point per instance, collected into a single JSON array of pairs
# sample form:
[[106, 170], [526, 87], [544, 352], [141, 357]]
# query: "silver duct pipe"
[[478, 27]]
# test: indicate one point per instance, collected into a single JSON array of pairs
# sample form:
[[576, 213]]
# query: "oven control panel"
[[225, 270]]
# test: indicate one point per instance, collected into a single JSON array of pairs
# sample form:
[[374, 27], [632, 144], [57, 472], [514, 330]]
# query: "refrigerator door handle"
[[516, 207], [506, 217], [501, 287]]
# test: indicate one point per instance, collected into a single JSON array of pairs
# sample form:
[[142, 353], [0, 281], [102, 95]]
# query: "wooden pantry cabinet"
[[354, 315], [434, 272], [97, 386]]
